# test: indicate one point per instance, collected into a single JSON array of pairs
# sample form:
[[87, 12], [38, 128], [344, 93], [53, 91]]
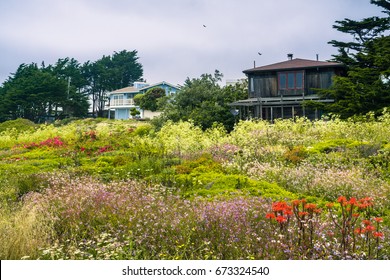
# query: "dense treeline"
[[42, 92]]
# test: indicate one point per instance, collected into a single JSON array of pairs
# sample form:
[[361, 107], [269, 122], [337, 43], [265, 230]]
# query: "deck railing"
[[122, 102]]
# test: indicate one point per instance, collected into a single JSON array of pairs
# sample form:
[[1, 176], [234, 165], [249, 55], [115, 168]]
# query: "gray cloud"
[[169, 35]]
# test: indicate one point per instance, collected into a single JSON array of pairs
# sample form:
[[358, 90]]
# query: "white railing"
[[122, 102]]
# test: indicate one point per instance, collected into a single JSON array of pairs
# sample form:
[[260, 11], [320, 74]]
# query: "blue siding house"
[[121, 101]]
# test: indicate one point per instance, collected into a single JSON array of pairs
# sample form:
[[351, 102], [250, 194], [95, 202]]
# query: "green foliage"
[[198, 97], [149, 100], [213, 185], [76, 103], [296, 154], [32, 93], [181, 138], [334, 145], [134, 112], [205, 177], [366, 86], [381, 161], [19, 125], [143, 130], [30, 183], [61, 90], [204, 162], [44, 93], [310, 104]]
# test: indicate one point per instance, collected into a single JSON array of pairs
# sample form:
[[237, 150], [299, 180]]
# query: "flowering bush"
[[54, 142], [348, 235]]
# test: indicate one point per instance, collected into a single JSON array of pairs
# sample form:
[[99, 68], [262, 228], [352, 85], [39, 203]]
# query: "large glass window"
[[290, 80], [299, 80], [282, 81]]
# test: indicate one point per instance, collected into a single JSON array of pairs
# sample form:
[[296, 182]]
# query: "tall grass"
[[22, 233]]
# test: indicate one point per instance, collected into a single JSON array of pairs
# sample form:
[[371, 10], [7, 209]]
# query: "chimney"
[[290, 56], [317, 56]]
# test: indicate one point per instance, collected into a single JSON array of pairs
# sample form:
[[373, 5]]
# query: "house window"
[[282, 81], [117, 100], [290, 80]]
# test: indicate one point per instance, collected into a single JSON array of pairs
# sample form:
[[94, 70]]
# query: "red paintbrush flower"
[[370, 228], [270, 216], [352, 201], [311, 206], [378, 234], [342, 199], [281, 219], [303, 214], [329, 205]]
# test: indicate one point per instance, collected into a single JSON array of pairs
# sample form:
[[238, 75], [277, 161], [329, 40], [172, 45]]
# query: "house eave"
[[294, 65], [278, 101], [163, 83]]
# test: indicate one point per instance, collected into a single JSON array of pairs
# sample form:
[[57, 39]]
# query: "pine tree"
[[365, 88]]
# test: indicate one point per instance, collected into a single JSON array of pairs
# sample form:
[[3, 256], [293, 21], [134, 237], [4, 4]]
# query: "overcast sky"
[[170, 36]]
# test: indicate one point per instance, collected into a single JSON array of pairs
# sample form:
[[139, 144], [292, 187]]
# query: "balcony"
[[122, 103]]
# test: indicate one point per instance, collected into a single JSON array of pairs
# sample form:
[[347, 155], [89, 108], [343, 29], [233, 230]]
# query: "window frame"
[[287, 75]]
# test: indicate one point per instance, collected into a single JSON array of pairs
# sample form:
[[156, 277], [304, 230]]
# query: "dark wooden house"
[[279, 90]]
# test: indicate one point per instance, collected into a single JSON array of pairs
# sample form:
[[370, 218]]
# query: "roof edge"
[[296, 63]]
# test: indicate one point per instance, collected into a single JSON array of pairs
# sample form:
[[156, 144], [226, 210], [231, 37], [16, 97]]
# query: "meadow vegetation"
[[103, 189]]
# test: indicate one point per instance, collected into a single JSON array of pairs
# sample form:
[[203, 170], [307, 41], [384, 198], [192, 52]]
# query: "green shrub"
[[213, 184], [296, 154], [65, 121], [381, 161], [20, 125], [30, 183], [203, 163], [336, 145], [143, 130]]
